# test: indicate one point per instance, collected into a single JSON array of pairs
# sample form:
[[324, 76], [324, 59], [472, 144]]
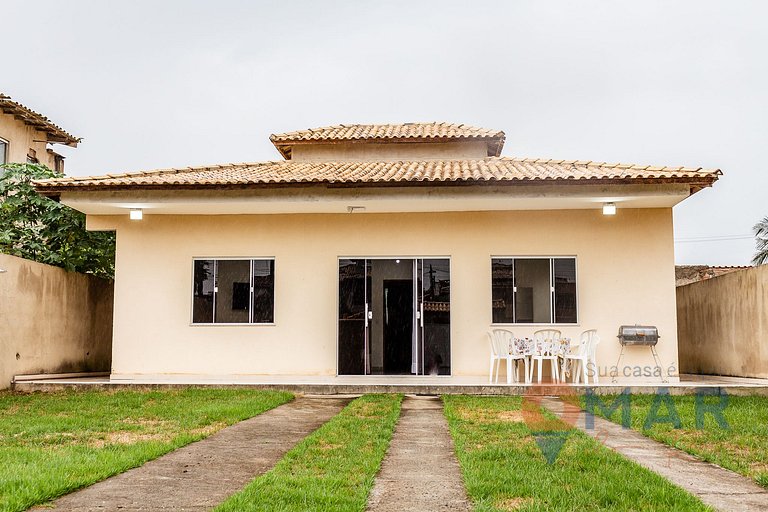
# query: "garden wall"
[[52, 321], [722, 324]]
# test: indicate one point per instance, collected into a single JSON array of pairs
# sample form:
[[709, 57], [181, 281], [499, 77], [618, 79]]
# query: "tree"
[[761, 242], [41, 229]]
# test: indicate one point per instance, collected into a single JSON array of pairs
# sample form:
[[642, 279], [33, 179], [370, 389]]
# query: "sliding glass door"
[[394, 316], [354, 286], [434, 328]]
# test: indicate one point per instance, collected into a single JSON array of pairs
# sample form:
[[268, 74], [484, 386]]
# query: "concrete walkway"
[[201, 475], [719, 488], [420, 471]]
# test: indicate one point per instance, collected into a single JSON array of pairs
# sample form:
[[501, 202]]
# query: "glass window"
[[202, 295], [564, 272], [533, 296], [3, 151], [263, 291], [233, 291], [533, 290], [503, 284]]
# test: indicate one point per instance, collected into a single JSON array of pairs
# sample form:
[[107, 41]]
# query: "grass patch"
[[331, 469], [741, 447], [54, 443], [504, 468]]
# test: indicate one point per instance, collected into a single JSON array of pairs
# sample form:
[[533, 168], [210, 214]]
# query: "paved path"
[[720, 488], [203, 474], [420, 471]]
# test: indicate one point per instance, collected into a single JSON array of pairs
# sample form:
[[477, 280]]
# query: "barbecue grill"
[[640, 335]]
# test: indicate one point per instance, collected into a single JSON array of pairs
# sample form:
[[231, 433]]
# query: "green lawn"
[[504, 468], [54, 443], [332, 469], [742, 446]]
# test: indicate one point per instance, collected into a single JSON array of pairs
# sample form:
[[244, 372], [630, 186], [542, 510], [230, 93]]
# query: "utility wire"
[[715, 238]]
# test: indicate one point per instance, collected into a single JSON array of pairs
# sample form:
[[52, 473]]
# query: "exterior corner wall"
[[619, 282], [723, 324], [52, 321]]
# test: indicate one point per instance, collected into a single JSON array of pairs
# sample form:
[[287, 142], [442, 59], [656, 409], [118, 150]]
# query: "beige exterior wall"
[[51, 320], [625, 267], [723, 324], [390, 151], [21, 138]]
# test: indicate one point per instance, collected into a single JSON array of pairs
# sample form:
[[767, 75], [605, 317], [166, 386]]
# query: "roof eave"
[[54, 134], [695, 184]]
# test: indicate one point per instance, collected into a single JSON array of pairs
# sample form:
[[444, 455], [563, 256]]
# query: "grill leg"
[[657, 360], [621, 354]]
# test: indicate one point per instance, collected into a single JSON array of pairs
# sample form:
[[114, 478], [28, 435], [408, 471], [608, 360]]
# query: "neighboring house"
[[381, 250], [687, 274], [25, 136]]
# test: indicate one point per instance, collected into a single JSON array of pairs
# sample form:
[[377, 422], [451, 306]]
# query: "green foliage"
[[505, 468], [40, 229], [739, 442], [761, 242], [332, 469], [54, 443]]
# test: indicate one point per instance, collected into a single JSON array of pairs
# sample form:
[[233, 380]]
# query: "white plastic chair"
[[503, 347], [546, 347], [584, 357]]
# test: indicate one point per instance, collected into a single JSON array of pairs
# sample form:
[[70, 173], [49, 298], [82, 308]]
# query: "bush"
[[41, 229]]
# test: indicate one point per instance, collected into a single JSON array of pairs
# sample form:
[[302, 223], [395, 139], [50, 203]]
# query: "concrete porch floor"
[[425, 385]]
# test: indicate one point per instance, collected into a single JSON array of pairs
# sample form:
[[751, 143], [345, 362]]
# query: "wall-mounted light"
[[355, 209], [3, 271], [136, 214], [609, 209]]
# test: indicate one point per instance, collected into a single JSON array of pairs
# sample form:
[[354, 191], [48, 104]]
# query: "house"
[[381, 250], [25, 136]]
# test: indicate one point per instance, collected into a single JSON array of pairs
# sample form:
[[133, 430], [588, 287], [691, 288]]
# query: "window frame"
[[551, 259], [250, 259], [5, 151]]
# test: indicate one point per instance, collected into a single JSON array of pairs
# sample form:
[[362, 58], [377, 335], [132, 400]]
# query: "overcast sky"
[[150, 84]]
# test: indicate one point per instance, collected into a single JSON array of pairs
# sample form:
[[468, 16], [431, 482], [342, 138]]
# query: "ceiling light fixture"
[[609, 209], [136, 214]]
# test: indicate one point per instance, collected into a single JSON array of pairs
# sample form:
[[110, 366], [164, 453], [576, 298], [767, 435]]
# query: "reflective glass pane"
[[533, 298], [565, 290], [263, 291], [352, 299], [502, 286], [436, 300], [3, 151], [233, 291], [202, 293]]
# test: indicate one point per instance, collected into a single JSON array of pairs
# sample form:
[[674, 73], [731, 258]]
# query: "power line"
[[714, 238]]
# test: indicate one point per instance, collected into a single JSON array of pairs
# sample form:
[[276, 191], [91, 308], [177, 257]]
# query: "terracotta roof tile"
[[406, 132], [387, 131], [29, 117], [486, 170]]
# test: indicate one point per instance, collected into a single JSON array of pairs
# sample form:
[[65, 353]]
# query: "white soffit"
[[380, 200]]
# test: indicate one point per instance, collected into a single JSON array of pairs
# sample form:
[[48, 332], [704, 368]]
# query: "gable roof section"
[[55, 134], [388, 133], [491, 170]]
